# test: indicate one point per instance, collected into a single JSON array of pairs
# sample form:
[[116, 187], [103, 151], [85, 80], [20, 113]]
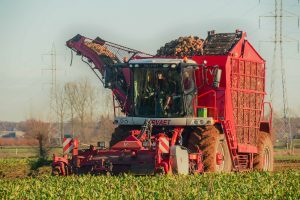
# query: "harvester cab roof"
[[166, 61]]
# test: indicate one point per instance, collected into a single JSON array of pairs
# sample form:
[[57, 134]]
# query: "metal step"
[[243, 161], [227, 127]]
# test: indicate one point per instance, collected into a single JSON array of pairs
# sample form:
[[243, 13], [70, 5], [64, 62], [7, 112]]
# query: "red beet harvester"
[[204, 113]]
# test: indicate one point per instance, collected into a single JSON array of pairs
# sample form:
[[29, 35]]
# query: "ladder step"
[[236, 161]]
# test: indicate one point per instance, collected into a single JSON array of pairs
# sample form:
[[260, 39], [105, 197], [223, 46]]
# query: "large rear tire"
[[120, 133], [264, 159], [212, 143]]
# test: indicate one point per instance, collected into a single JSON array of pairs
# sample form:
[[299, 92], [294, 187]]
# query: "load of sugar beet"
[[100, 49], [183, 46]]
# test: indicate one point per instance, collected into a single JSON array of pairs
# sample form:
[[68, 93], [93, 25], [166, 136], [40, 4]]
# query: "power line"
[[278, 58], [53, 69]]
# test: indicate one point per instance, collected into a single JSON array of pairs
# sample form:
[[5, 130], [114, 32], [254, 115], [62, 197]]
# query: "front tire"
[[56, 171], [212, 143]]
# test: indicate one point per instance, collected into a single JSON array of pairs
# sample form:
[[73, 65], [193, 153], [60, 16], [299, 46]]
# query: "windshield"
[[157, 91]]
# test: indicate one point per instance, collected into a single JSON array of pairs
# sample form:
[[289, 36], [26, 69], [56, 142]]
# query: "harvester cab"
[[162, 88]]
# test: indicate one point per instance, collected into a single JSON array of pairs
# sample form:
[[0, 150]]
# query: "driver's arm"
[[148, 92]]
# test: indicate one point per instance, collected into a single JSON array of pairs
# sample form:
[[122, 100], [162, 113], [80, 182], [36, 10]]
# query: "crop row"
[[279, 185]]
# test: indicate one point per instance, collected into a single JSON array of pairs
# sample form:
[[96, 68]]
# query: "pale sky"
[[28, 29]]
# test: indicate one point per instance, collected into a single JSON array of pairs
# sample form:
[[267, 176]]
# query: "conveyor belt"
[[220, 43]]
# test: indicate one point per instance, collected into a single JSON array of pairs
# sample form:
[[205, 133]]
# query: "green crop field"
[[24, 151], [29, 178], [278, 185]]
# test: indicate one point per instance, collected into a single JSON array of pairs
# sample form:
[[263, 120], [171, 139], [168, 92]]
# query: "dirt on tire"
[[208, 140], [264, 143]]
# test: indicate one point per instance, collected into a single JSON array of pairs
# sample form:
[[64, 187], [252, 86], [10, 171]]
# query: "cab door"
[[189, 89]]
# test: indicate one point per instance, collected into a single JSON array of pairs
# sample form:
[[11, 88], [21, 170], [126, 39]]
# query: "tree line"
[[78, 109]]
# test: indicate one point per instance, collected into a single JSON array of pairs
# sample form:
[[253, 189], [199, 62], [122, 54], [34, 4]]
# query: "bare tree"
[[60, 104], [92, 101], [106, 128], [39, 130], [108, 104], [82, 100], [82, 105], [77, 102], [71, 95]]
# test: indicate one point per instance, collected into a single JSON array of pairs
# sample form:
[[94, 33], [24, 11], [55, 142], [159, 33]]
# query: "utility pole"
[[53, 85], [278, 59]]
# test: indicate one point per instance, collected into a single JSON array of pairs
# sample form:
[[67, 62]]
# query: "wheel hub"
[[219, 158], [220, 163]]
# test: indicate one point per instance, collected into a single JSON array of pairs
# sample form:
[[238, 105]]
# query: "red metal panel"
[[241, 92], [131, 142], [244, 148], [250, 53], [208, 100], [247, 88]]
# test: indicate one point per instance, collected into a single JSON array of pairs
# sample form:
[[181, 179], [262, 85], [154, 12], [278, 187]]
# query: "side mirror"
[[217, 77]]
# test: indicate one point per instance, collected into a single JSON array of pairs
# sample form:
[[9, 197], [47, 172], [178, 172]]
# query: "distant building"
[[297, 134], [12, 134]]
